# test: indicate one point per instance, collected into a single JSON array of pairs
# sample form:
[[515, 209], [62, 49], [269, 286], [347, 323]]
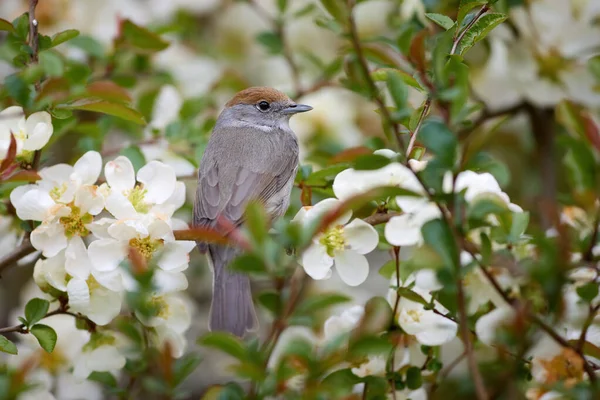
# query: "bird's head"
[[261, 107]]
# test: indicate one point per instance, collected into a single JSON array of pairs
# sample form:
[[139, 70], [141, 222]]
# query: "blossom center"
[[333, 240], [146, 246], [162, 308], [415, 315], [52, 362], [58, 191], [136, 197], [74, 223], [551, 65]]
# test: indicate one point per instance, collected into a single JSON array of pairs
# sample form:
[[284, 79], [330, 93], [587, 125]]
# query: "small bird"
[[252, 154]]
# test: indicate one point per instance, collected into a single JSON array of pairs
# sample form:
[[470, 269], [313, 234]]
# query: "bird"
[[252, 155]]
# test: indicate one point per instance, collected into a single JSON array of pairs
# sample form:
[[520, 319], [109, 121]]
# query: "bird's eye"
[[263, 105]]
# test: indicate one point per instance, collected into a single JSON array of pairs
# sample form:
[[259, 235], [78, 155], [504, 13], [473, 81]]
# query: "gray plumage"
[[252, 155]]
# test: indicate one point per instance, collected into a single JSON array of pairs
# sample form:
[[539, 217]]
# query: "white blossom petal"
[[316, 262], [120, 174], [79, 295], [119, 206], [360, 236], [77, 262], [106, 254], [488, 325], [39, 129], [352, 267], [34, 204], [49, 238], [175, 254], [159, 181], [88, 168]]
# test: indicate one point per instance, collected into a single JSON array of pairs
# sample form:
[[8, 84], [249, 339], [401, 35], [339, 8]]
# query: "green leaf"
[[21, 25], [337, 9], [580, 167], [118, 110], [6, 26], [439, 237], [480, 30], [271, 41], [410, 295], [52, 63], [520, 221], [594, 66], [105, 378], [140, 39], [322, 176], [184, 366], [376, 319], [371, 161], [45, 335], [318, 303], [270, 301], [108, 90], [588, 292], [382, 74], [226, 342], [18, 89], [282, 5], [437, 138], [249, 264], [413, 378], [388, 269], [370, 345], [7, 346], [442, 20], [64, 36], [485, 204], [35, 310], [397, 89], [89, 45], [135, 155], [256, 222], [465, 7]]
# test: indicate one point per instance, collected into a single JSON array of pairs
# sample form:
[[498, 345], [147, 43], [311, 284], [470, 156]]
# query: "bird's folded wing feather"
[[236, 169]]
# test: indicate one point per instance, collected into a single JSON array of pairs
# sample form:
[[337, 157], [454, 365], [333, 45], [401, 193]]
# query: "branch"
[[33, 32], [367, 74], [457, 39], [380, 218], [413, 137], [486, 115], [22, 328], [9, 260]]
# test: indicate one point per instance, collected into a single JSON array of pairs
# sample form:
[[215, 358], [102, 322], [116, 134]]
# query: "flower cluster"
[[86, 230]]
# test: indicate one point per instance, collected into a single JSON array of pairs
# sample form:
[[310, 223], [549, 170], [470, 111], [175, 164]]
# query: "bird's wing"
[[237, 168]]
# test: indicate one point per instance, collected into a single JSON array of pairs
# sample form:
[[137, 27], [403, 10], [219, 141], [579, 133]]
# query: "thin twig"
[[586, 325], [413, 137], [486, 115], [11, 259], [22, 328], [462, 34], [374, 93]]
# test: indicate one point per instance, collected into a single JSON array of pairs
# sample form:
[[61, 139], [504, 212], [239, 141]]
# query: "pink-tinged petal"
[[360, 236], [159, 181], [316, 262], [88, 168], [120, 174], [175, 255], [119, 206], [39, 129], [352, 267], [49, 238], [34, 204], [106, 254]]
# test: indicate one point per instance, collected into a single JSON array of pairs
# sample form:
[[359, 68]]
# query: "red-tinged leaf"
[[417, 51], [24, 176], [350, 155], [55, 88], [6, 26], [10, 154], [306, 196], [116, 109], [202, 235], [139, 39], [139, 265], [591, 130], [107, 90]]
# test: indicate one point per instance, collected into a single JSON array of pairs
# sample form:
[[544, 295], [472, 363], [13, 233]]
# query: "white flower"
[[341, 244], [148, 235], [488, 325], [405, 229], [171, 321], [337, 325], [128, 200], [351, 182], [429, 327], [64, 200], [30, 134], [375, 365], [103, 353]]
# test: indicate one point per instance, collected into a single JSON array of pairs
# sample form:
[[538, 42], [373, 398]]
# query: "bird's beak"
[[297, 108]]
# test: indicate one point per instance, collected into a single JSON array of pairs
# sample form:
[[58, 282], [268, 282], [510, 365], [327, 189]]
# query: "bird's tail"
[[232, 309]]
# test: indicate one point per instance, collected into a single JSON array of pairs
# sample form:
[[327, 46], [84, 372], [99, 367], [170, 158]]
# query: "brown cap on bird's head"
[[255, 94]]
